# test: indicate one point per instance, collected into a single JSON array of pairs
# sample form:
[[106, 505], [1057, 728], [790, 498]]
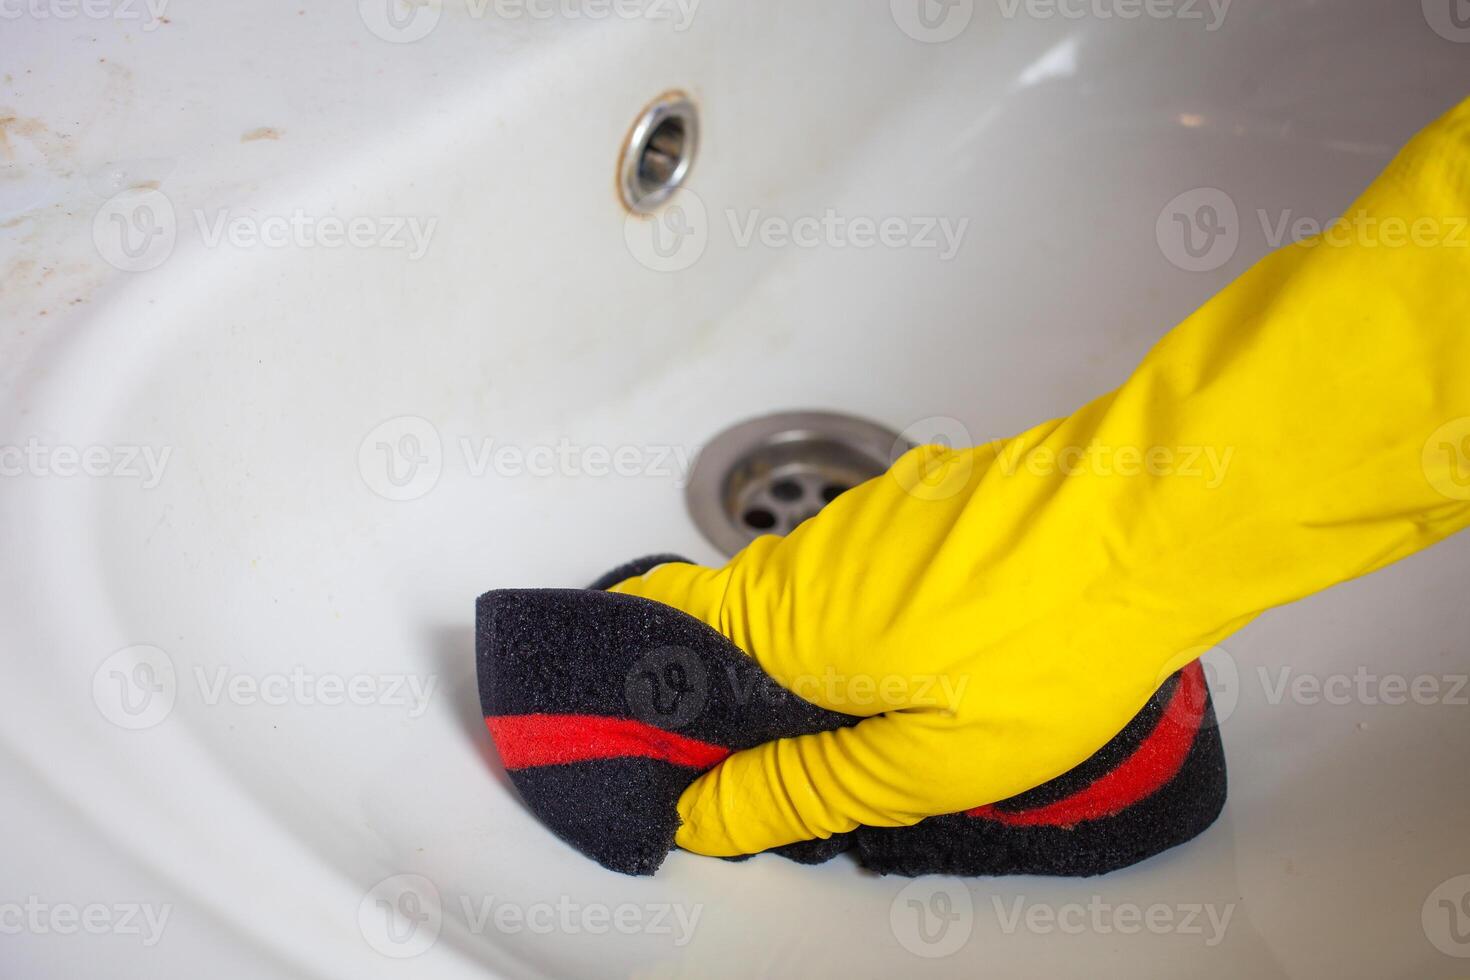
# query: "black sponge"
[[605, 707]]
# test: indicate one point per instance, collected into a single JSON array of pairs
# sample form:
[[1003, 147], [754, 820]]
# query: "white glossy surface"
[[528, 321]]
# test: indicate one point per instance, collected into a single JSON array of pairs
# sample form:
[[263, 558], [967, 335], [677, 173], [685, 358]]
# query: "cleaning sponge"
[[605, 707]]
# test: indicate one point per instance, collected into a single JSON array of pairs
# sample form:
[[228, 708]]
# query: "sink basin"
[[261, 463]]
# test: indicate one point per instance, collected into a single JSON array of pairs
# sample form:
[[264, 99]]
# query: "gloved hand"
[[1000, 612]]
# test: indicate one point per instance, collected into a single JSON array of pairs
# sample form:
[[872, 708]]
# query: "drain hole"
[[832, 491], [760, 519], [659, 153], [787, 490], [662, 156]]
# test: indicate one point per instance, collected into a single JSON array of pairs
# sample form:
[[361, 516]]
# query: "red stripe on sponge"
[[552, 740], [1155, 762], [526, 741]]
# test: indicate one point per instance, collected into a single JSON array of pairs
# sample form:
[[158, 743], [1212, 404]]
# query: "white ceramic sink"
[[172, 627]]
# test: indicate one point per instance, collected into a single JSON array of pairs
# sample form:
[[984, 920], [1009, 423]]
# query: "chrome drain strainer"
[[768, 475]]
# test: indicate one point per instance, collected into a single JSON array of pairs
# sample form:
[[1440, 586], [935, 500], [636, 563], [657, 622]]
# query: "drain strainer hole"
[[832, 491], [761, 520], [787, 490]]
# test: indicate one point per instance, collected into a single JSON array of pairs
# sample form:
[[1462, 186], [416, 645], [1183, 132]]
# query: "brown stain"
[[263, 133], [12, 124]]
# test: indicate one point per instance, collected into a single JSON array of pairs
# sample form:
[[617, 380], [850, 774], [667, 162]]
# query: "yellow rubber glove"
[[1000, 612]]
